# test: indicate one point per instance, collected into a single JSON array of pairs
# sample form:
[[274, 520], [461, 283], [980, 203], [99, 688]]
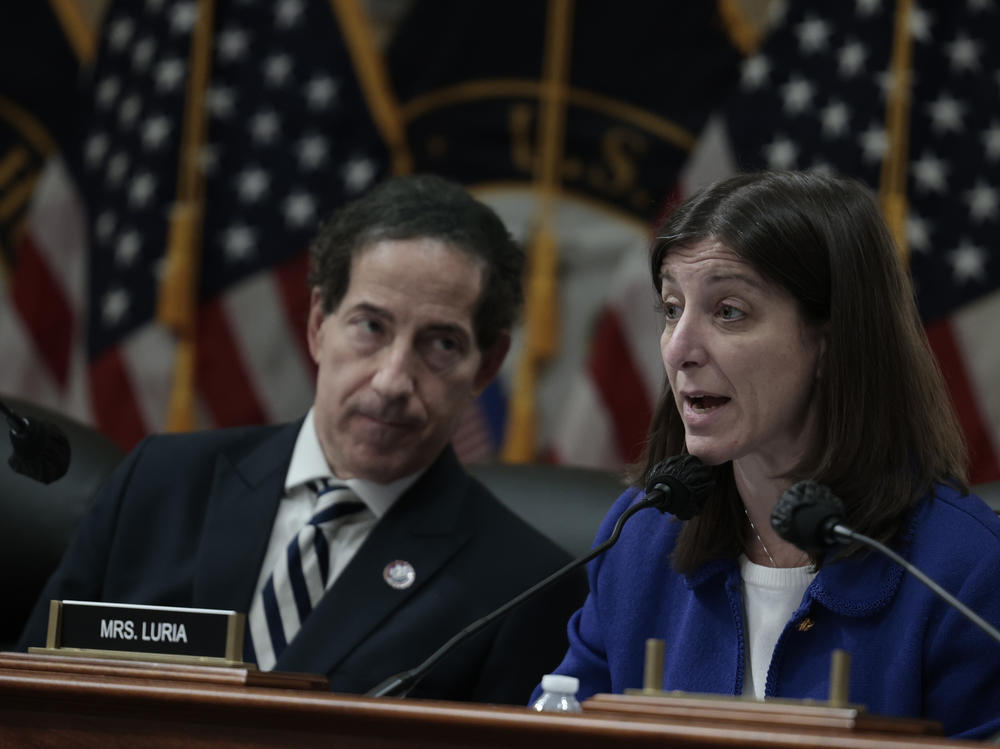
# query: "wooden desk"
[[60, 702]]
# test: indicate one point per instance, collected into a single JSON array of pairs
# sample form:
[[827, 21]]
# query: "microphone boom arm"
[[14, 420], [843, 534], [399, 685]]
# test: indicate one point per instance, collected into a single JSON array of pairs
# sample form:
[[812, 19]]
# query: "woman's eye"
[[671, 310], [729, 312]]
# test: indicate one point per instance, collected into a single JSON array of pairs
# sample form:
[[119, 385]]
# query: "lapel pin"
[[399, 574]]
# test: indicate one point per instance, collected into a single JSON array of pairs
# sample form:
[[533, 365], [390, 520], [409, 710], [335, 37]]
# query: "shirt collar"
[[309, 463]]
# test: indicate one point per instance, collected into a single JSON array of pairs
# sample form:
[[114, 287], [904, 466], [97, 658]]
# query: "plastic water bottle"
[[558, 694]]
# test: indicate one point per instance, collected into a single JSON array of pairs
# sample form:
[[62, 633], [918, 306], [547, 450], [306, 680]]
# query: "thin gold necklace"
[[759, 539]]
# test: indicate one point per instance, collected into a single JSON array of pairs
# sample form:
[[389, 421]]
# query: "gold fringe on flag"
[[542, 298], [892, 181], [177, 305]]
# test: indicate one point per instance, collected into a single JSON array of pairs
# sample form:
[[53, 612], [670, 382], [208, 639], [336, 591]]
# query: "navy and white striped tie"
[[300, 576]]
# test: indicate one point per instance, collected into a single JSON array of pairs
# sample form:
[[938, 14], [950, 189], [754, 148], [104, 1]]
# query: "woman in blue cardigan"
[[793, 350]]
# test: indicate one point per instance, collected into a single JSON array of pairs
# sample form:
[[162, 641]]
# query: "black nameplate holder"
[[207, 637]]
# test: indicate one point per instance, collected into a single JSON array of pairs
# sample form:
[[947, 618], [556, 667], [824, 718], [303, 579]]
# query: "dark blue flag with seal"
[[573, 119]]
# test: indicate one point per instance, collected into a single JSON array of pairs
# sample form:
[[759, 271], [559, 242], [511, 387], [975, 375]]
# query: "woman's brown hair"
[[886, 430]]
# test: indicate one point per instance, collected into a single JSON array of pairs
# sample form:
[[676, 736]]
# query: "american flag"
[[289, 137], [41, 261], [814, 97]]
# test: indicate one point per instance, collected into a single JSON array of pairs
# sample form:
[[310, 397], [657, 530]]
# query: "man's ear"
[[490, 364], [314, 327]]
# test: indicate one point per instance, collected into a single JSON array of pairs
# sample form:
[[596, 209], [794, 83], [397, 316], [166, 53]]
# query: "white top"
[[298, 504], [770, 597]]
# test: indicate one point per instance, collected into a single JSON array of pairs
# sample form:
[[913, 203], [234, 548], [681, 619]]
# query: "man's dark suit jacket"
[[185, 521]]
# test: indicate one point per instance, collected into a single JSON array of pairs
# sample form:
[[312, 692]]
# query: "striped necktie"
[[300, 577]]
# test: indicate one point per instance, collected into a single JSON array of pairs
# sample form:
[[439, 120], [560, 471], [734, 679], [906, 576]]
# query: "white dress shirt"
[[298, 504]]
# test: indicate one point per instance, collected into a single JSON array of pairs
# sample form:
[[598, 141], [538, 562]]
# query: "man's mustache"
[[391, 412]]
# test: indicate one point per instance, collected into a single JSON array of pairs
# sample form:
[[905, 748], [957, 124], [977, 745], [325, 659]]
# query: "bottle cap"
[[560, 683]]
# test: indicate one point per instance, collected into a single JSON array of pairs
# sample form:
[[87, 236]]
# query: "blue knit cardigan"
[[912, 655]]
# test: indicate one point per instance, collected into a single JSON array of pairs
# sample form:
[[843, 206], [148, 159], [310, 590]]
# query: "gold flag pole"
[[892, 180], [370, 68], [178, 299], [541, 300], [77, 29]]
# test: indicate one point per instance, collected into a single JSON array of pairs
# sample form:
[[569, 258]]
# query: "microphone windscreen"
[[684, 483], [805, 513], [41, 451]]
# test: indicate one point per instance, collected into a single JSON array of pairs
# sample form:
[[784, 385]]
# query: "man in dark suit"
[[353, 538]]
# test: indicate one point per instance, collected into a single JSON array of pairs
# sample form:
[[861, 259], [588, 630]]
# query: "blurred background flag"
[[42, 262], [286, 135], [816, 95], [573, 120], [205, 162]]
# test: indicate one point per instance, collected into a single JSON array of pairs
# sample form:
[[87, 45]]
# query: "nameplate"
[[164, 633]]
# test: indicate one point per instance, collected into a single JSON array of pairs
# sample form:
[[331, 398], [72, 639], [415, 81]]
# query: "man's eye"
[[671, 310], [367, 329], [441, 352]]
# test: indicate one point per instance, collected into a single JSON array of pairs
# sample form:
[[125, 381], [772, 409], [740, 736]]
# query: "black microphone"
[[41, 450], [810, 516], [667, 489], [806, 515], [682, 483]]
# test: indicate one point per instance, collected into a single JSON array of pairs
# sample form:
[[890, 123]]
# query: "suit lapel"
[[244, 498], [425, 528]]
